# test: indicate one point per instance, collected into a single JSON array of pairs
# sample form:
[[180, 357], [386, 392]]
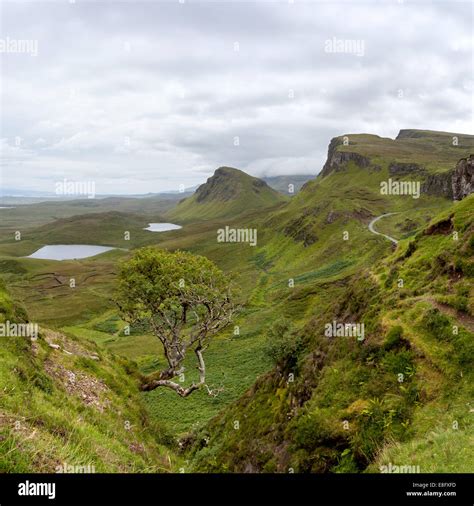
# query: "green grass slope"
[[401, 396], [66, 403], [113, 228]]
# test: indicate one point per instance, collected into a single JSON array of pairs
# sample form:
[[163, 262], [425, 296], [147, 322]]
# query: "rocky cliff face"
[[403, 168], [438, 185], [462, 181], [456, 184], [337, 160]]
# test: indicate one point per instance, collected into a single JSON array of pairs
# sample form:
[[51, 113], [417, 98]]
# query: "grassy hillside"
[[402, 395], [59, 293], [65, 402], [19, 216], [347, 194], [228, 193], [123, 230]]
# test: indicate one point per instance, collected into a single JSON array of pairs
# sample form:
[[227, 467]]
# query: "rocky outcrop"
[[443, 227], [455, 184], [404, 168], [363, 215], [337, 160], [301, 229], [462, 180], [438, 185]]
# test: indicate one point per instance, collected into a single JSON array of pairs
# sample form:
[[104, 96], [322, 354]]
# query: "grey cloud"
[[166, 76]]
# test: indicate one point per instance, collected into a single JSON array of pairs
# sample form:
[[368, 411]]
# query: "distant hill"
[[44, 195], [42, 212], [282, 183], [228, 193]]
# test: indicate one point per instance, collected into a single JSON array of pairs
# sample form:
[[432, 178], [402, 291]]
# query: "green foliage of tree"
[[283, 344], [184, 299]]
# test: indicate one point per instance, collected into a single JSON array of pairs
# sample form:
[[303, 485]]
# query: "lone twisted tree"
[[184, 299]]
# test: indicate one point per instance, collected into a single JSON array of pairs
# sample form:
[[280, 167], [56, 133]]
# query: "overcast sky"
[[146, 96]]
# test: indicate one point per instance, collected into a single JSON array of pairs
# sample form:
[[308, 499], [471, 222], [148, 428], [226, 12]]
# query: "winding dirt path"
[[371, 227], [466, 320]]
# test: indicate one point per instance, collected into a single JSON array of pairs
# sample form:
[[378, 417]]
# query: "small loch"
[[162, 227], [68, 251]]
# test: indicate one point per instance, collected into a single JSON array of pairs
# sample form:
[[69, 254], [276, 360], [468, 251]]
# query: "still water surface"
[[68, 251]]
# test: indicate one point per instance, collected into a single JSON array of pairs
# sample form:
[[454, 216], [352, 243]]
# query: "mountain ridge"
[[229, 192]]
